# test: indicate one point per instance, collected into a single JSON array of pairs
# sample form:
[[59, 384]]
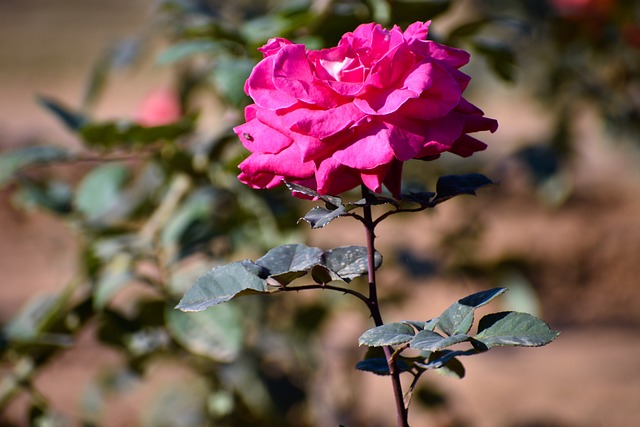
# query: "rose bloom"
[[336, 118]]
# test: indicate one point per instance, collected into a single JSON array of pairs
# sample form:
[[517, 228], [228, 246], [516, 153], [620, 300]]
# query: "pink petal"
[[369, 148], [334, 178], [258, 137], [293, 76], [322, 123], [287, 163], [467, 145], [260, 180], [273, 46], [373, 178], [261, 89]]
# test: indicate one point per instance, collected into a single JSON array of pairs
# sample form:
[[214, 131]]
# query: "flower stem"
[[374, 308]]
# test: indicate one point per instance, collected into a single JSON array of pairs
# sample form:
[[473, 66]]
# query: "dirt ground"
[[586, 252]]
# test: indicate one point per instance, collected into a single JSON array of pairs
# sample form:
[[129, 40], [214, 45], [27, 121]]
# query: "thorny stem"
[[374, 307]]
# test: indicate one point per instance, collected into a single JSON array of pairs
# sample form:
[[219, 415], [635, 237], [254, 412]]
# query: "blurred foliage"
[[159, 205]]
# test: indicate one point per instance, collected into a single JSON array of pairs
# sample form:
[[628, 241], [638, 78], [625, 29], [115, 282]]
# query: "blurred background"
[[117, 175]]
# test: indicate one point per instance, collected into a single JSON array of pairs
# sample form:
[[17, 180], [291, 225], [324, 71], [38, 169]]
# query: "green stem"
[[374, 307]]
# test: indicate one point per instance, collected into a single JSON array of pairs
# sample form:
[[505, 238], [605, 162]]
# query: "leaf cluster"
[[433, 338]]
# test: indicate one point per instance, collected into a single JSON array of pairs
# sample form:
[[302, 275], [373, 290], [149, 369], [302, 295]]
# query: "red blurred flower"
[[160, 107]]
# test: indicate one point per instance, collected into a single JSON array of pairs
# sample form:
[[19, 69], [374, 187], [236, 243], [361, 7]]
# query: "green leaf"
[[52, 195], [290, 258], [439, 359], [453, 369], [114, 275], [349, 262], [71, 119], [229, 75], [13, 161], [389, 334], [458, 318], [433, 341], [454, 185], [379, 366], [217, 333], [184, 49], [319, 217], [111, 134], [511, 328], [422, 198], [220, 285], [98, 193], [322, 274]]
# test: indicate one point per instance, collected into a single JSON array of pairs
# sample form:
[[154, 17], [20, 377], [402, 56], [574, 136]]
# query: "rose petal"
[[261, 89], [369, 147], [292, 75], [322, 123], [467, 145], [286, 163], [258, 137], [332, 177]]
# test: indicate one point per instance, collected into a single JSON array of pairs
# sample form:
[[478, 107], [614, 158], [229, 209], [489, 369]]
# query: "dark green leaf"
[[458, 318], [319, 217], [500, 55], [454, 185], [514, 329], [220, 285], [111, 134], [379, 366], [229, 75], [289, 258], [432, 341], [438, 359], [333, 201], [71, 119], [423, 198], [12, 161], [323, 275], [349, 262], [52, 195], [453, 369], [389, 334]]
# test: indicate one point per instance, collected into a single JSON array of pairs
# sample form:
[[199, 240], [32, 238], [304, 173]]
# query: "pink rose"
[[336, 118]]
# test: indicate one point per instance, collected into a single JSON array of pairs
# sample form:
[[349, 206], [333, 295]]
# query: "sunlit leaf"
[[458, 318], [432, 341], [511, 328], [290, 258], [349, 262], [389, 334], [220, 285]]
